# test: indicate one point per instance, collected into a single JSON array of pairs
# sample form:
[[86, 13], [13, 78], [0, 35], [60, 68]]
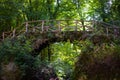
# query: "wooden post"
[[59, 26], [76, 23], [3, 36], [34, 29], [14, 33], [26, 27], [107, 31], [43, 25]]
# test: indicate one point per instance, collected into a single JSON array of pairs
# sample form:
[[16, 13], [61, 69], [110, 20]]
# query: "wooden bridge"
[[56, 26], [46, 32]]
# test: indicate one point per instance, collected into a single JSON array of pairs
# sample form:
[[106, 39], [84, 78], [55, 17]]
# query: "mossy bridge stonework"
[[45, 32]]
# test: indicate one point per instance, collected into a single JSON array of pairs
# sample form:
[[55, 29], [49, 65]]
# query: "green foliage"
[[13, 48], [115, 12], [102, 61], [18, 52], [10, 14], [63, 58], [13, 13]]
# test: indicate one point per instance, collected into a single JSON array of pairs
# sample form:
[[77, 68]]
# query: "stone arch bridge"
[[50, 31]]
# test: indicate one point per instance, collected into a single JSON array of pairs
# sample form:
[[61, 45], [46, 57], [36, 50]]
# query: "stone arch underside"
[[41, 43]]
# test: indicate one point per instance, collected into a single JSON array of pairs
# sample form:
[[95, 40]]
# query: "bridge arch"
[[40, 44]]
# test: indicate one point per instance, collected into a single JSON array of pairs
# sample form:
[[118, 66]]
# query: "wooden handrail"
[[59, 25], [56, 20]]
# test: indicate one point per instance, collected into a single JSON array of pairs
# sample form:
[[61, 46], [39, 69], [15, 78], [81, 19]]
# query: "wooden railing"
[[60, 26]]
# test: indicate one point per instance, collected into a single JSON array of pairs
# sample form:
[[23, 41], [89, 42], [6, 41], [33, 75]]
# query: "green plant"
[[17, 52], [63, 58], [102, 61]]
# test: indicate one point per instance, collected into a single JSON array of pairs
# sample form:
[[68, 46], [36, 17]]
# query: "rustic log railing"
[[62, 25]]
